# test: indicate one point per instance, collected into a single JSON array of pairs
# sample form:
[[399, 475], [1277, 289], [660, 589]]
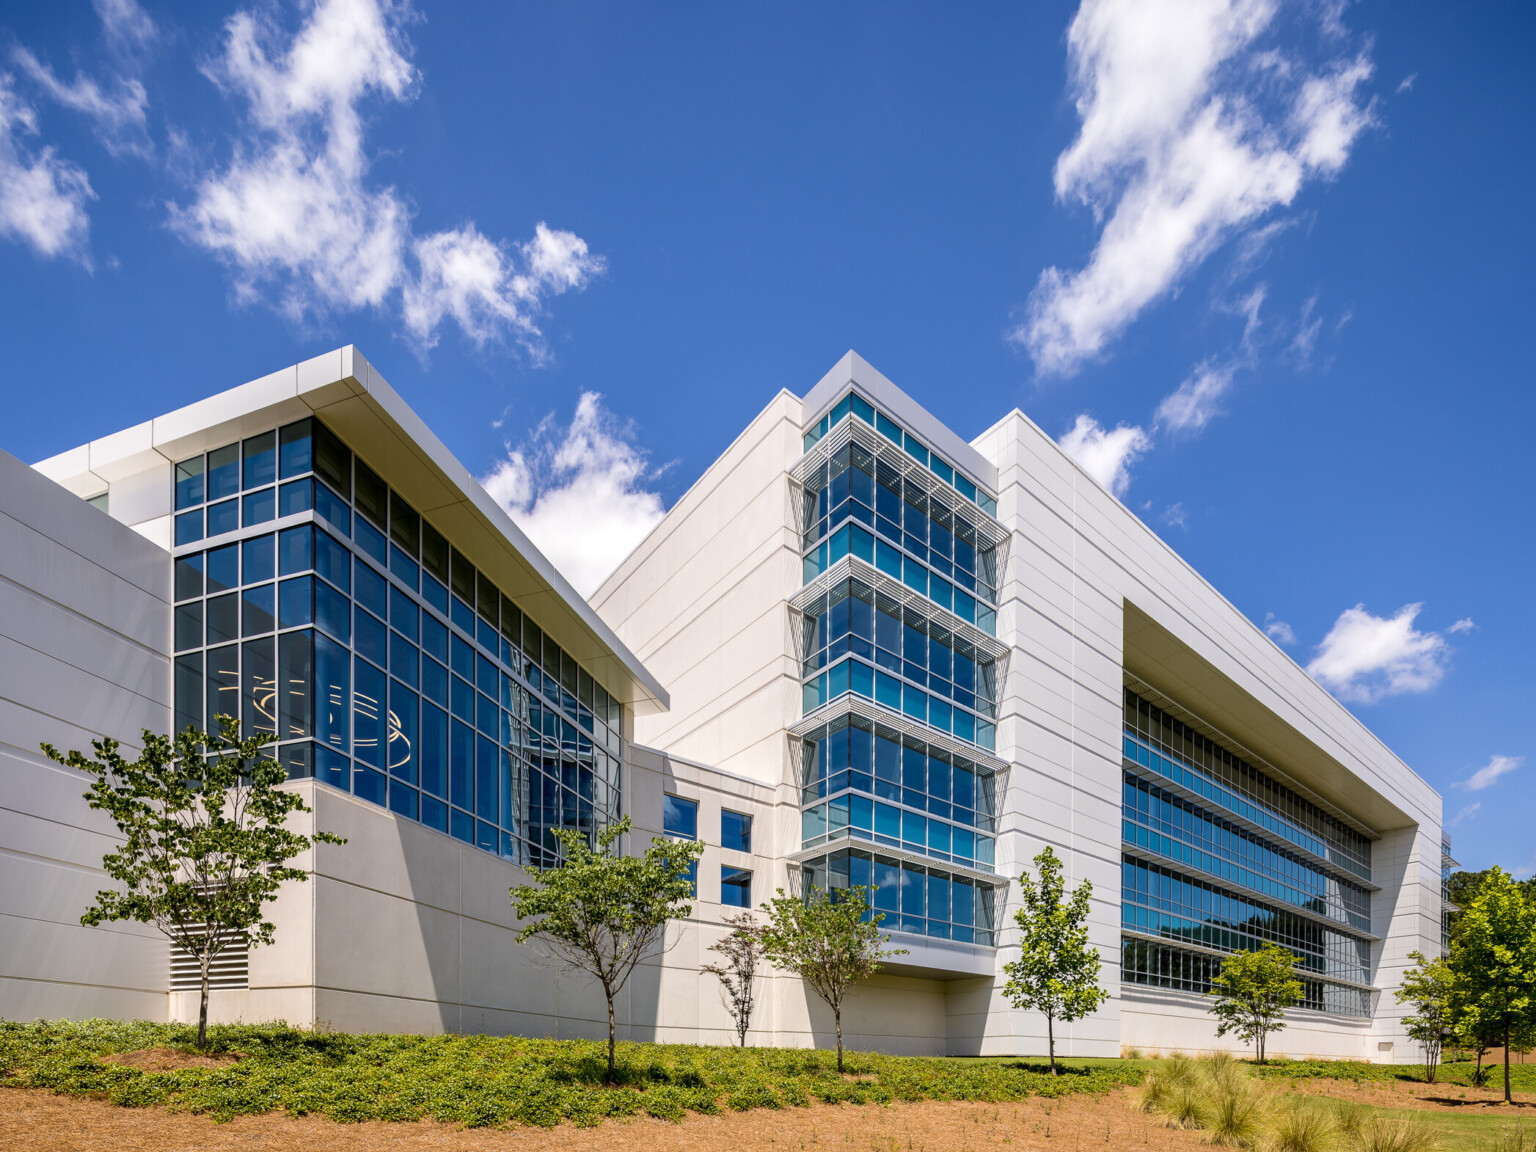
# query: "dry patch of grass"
[[44, 1122], [169, 1059]]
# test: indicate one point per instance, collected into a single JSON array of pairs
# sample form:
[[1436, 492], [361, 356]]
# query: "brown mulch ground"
[[168, 1059], [1403, 1094], [38, 1121]]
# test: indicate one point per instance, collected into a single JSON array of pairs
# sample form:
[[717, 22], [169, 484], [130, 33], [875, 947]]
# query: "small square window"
[[680, 817], [735, 830], [736, 887]]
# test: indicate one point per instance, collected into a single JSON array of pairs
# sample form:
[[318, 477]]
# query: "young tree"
[[1252, 991], [1427, 986], [1493, 965], [742, 948], [1057, 973], [600, 912], [828, 942], [204, 843]]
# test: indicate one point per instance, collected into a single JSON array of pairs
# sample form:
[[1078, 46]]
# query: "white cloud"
[[1106, 455], [117, 109], [295, 213], [1190, 406], [1364, 657], [1490, 772], [579, 493], [1190, 133], [1176, 516], [42, 197], [1278, 630], [1466, 813], [1406, 85], [1463, 625]]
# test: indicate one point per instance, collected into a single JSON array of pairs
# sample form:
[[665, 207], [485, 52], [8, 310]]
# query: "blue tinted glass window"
[[371, 541], [403, 737], [369, 588], [434, 680], [371, 638], [333, 768], [296, 449], [189, 482], [434, 813], [260, 460], [189, 527], [487, 759], [435, 593], [294, 497], [403, 614], [295, 550], [333, 611], [402, 567], [735, 830], [461, 766], [461, 826], [258, 609], [295, 602], [223, 517], [258, 559], [189, 629], [224, 568], [369, 734], [189, 576], [434, 638], [735, 887], [463, 616], [434, 750], [223, 618], [403, 799], [680, 817], [333, 694], [463, 659], [333, 508], [260, 506], [403, 659], [462, 699], [333, 561], [224, 471], [369, 785]]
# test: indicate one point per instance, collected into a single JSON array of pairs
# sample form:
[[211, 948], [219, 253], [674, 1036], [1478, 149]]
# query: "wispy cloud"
[[300, 223], [1190, 407], [1192, 130], [1106, 454], [580, 492], [1463, 625], [1466, 813], [1365, 658], [1278, 630], [1407, 82], [1489, 773], [43, 197], [1175, 515]]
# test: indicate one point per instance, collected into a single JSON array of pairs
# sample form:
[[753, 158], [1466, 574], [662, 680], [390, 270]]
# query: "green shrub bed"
[[479, 1081], [1522, 1077]]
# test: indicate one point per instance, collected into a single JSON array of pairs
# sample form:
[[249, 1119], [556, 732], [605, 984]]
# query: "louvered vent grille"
[[231, 968]]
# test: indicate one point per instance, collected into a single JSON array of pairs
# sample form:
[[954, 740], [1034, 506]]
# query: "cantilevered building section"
[[858, 651], [947, 655]]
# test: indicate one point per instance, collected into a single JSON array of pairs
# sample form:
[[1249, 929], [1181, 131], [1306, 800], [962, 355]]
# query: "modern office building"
[[858, 651]]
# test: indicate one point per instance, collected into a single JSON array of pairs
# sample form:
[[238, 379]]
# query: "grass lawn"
[[490, 1081], [1522, 1077]]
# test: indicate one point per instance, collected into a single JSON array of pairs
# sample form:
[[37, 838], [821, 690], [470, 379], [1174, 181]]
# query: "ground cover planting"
[[478, 1081]]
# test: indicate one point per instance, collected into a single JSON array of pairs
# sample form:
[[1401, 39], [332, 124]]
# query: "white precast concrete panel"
[[85, 624]]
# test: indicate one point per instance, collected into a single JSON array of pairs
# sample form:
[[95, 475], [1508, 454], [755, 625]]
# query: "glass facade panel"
[[1248, 861], [914, 898]]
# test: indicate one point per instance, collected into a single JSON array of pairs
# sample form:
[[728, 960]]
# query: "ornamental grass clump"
[[1297, 1127], [1234, 1115], [1388, 1134]]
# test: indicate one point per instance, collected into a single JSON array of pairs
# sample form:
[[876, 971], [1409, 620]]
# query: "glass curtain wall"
[[313, 603], [885, 784], [1249, 861]]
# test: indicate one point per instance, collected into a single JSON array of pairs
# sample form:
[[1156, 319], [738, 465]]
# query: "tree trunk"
[[202, 1011], [1050, 1032], [1258, 1045], [1507, 1100], [837, 1019], [612, 1077]]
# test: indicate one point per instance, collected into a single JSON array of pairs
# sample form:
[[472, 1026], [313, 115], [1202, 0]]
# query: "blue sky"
[[1263, 266]]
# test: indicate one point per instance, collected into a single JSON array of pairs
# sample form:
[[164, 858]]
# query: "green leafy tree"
[[742, 949], [1057, 972], [1463, 888], [600, 912], [1427, 986], [205, 846], [1253, 990], [1493, 965], [830, 942]]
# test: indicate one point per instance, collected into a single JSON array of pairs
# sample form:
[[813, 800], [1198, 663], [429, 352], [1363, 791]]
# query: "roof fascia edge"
[[854, 369]]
